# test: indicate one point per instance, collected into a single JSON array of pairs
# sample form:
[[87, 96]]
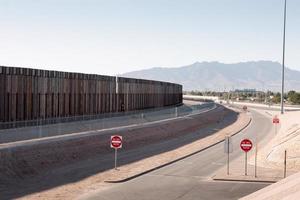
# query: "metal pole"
[[116, 157], [117, 94], [227, 155], [255, 172], [117, 85], [283, 57], [284, 172], [245, 163], [229, 96], [142, 116]]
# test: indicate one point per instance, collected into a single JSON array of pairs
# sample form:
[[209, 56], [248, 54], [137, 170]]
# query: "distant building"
[[246, 90], [201, 98]]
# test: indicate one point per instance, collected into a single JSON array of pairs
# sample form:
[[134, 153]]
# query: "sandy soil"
[[287, 137], [286, 189], [272, 156]]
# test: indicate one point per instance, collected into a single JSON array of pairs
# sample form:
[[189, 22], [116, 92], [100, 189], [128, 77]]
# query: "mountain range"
[[201, 76]]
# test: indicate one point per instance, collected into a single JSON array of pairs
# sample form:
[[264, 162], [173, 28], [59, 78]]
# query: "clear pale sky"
[[117, 36]]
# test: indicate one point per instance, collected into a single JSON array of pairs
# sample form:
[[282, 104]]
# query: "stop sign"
[[246, 145], [275, 120], [116, 141]]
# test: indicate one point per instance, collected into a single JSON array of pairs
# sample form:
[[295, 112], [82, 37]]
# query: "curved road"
[[190, 178], [130, 119]]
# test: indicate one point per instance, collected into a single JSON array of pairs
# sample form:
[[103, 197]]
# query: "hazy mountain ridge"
[[262, 75]]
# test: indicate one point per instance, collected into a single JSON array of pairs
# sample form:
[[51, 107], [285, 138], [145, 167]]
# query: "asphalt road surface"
[[190, 178], [125, 119]]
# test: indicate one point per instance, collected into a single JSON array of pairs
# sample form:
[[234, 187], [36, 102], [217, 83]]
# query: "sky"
[[111, 37]]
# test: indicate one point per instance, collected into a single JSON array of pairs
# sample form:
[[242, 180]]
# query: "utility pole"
[[283, 56], [117, 93]]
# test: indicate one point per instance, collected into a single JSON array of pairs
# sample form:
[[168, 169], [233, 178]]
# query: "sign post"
[[116, 143], [255, 172], [116, 158], [227, 155], [227, 150], [284, 171], [246, 145], [276, 122]]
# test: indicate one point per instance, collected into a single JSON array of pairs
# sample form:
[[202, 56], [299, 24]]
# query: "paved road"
[[266, 107], [191, 178], [65, 161], [132, 118]]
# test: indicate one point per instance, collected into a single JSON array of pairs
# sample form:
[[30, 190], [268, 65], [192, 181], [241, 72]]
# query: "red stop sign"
[[246, 145], [275, 120], [116, 141]]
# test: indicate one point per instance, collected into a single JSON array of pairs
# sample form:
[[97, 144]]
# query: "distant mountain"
[[260, 75]]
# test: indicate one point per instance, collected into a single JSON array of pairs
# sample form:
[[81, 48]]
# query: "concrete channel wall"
[[41, 96]]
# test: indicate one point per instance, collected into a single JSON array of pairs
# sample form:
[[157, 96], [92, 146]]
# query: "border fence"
[[31, 95]]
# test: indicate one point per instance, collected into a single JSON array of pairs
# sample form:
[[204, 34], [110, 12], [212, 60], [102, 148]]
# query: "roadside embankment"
[[286, 138], [286, 189], [272, 156], [33, 166], [212, 135]]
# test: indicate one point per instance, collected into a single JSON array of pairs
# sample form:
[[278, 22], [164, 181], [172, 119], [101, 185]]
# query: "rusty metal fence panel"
[[28, 96]]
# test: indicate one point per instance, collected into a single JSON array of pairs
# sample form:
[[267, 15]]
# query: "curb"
[[248, 181], [176, 160]]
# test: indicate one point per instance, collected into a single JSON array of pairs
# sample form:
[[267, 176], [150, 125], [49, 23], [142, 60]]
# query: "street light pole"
[[282, 80]]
